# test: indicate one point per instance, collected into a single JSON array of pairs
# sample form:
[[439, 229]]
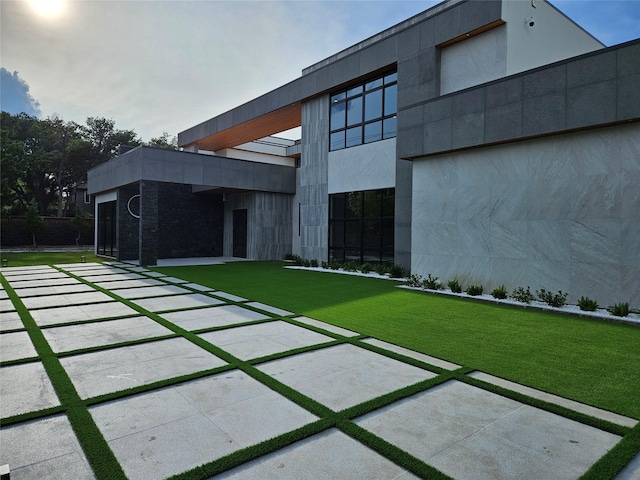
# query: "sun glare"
[[48, 8]]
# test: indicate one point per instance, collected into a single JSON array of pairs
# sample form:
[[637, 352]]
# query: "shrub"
[[555, 300], [350, 266], [381, 269], [325, 265], [431, 283], [588, 305], [414, 280], [619, 309], [454, 285], [474, 290], [335, 265], [522, 295], [313, 263], [366, 267], [397, 271], [289, 256], [500, 292]]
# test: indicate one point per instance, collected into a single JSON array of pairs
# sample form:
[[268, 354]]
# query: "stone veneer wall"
[[312, 190], [128, 226], [560, 213], [269, 223], [189, 225]]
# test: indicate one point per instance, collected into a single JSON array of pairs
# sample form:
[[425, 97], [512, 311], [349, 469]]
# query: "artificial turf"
[[591, 361], [40, 257]]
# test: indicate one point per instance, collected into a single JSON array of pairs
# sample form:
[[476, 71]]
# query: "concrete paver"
[[16, 345], [148, 292], [66, 299], [165, 432], [208, 317], [53, 290], [10, 321], [111, 277], [327, 326], [44, 448], [196, 286], [253, 341], [44, 282], [80, 313], [631, 471], [410, 353], [469, 433], [269, 309], [229, 296], [177, 302], [25, 388], [329, 455], [344, 375], [6, 305], [105, 332], [107, 371], [143, 282]]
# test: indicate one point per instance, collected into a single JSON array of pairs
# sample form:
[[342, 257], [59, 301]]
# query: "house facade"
[[492, 140]]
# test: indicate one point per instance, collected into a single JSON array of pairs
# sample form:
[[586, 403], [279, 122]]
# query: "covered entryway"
[[240, 233]]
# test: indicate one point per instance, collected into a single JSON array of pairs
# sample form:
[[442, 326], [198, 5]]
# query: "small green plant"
[[499, 292], [33, 222], [522, 295], [552, 299], [397, 271], [366, 267], [381, 268], [289, 256], [474, 290], [313, 263], [335, 264], [588, 305], [350, 266], [414, 280], [619, 309], [432, 283], [454, 285], [325, 265]]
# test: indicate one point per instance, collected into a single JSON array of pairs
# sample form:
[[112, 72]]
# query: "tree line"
[[42, 161]]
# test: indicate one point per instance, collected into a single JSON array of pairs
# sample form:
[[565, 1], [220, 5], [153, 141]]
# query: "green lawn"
[[595, 362], [46, 258]]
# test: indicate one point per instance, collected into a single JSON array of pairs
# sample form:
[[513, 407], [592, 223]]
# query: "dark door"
[[240, 233]]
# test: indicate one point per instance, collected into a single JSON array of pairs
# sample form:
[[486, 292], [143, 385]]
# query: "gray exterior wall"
[[128, 227], [560, 213], [312, 192], [268, 224]]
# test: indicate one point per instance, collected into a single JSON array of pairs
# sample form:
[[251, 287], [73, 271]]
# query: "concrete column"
[[148, 246]]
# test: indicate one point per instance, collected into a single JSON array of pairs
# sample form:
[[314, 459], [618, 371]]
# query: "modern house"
[[493, 140]]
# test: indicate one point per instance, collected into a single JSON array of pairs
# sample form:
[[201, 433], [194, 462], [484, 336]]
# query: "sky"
[[157, 66]]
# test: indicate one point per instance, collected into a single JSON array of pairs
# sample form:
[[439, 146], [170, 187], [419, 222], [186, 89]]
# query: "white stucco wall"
[[366, 167], [554, 37], [560, 213]]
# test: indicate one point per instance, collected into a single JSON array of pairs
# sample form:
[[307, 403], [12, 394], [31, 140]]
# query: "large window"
[[364, 113], [361, 226]]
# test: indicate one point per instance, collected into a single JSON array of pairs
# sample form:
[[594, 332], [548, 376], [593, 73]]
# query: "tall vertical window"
[[107, 229], [361, 226], [364, 113]]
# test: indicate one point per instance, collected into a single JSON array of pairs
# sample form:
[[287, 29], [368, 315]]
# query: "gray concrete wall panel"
[[560, 213], [145, 163]]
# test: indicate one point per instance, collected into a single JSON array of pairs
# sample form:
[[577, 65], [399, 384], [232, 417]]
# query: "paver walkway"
[[111, 370]]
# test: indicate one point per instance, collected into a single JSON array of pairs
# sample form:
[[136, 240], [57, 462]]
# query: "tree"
[[163, 141], [33, 222], [81, 222]]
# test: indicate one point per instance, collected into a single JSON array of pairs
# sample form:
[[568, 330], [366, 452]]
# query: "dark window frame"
[[384, 83]]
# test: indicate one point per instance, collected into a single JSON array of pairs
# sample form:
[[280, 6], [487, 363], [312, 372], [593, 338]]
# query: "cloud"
[[14, 95]]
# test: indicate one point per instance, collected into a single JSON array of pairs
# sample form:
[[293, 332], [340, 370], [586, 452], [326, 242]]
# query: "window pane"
[[338, 115], [373, 105], [354, 91], [388, 202], [373, 84], [354, 205], [336, 203], [354, 111], [354, 136], [389, 128], [371, 234], [337, 234], [372, 203], [354, 234], [392, 77], [390, 100], [338, 96], [387, 234], [373, 132], [337, 140]]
